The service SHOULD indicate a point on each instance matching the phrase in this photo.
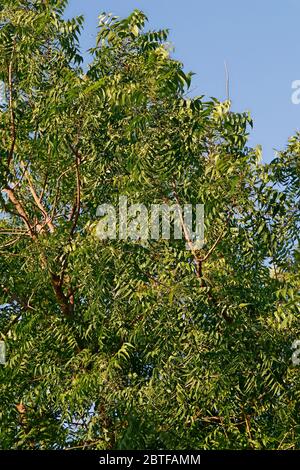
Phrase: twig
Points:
(213, 247)
(12, 113)
(198, 261)
(76, 209)
(58, 191)
(37, 200)
(227, 81)
(12, 242)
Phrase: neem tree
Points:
(112, 344)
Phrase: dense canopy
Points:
(116, 344)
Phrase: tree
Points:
(114, 344)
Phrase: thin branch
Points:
(10, 243)
(11, 107)
(227, 81)
(58, 190)
(83, 446)
(6, 231)
(213, 247)
(38, 203)
(25, 305)
(44, 187)
(76, 210)
(12, 113)
(20, 210)
(248, 427)
(198, 261)
(22, 177)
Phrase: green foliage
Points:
(114, 344)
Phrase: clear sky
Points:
(259, 40)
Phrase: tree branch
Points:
(11, 109)
(67, 306)
(20, 210)
(197, 260)
(76, 208)
(213, 247)
(39, 204)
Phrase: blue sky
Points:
(259, 40)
